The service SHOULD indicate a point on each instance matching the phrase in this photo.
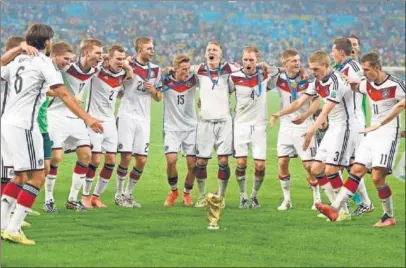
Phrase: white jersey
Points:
(214, 91)
(75, 81)
(286, 97)
(179, 104)
(382, 98)
(5, 92)
(353, 70)
(136, 102)
(103, 90)
(339, 92)
(29, 77)
(250, 92)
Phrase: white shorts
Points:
(21, 148)
(358, 137)
(290, 144)
(250, 135)
(378, 149)
(133, 135)
(67, 133)
(176, 140)
(337, 146)
(105, 142)
(217, 135)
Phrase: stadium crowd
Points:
(270, 26)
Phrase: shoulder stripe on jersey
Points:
(354, 66)
(5, 98)
(335, 82)
(398, 81)
(35, 104)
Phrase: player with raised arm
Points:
(66, 130)
(214, 127)
(180, 123)
(250, 121)
(22, 143)
(346, 65)
(292, 127)
(101, 100)
(338, 143)
(384, 91)
(134, 119)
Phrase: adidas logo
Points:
(5, 200)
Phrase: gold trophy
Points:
(213, 210)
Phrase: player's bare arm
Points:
(328, 106)
(293, 107)
(155, 93)
(312, 109)
(128, 71)
(396, 110)
(70, 101)
(14, 52)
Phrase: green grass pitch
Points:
(158, 236)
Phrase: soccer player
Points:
(378, 149)
(214, 127)
(251, 85)
(67, 130)
(101, 100)
(133, 120)
(338, 143)
(290, 139)
(180, 126)
(356, 46)
(341, 53)
(22, 143)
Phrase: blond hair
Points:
(13, 41)
(60, 48)
(139, 42)
(113, 48)
(287, 54)
(216, 43)
(88, 44)
(179, 59)
(251, 50)
(320, 57)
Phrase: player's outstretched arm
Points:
(70, 101)
(328, 106)
(293, 107)
(396, 110)
(313, 108)
(14, 52)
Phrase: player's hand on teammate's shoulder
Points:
(199, 103)
(128, 71)
(167, 70)
(29, 50)
(304, 75)
(94, 124)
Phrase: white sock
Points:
(341, 198)
(77, 181)
(363, 193)
(222, 187)
(49, 187)
(120, 184)
(87, 186)
(316, 193)
(101, 186)
(242, 184)
(19, 215)
(285, 185)
(130, 187)
(328, 190)
(7, 203)
(387, 206)
(201, 185)
(256, 185)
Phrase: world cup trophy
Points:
(214, 202)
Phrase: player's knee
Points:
(171, 160)
(56, 158)
(223, 172)
(201, 171)
(20, 177)
(260, 172)
(357, 170)
(141, 161)
(223, 160)
(378, 176)
(191, 167)
(240, 172)
(95, 162)
(84, 155)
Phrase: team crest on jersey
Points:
(11, 173)
(189, 83)
(41, 162)
(166, 148)
(385, 93)
(120, 146)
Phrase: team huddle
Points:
(43, 85)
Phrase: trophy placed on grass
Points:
(214, 202)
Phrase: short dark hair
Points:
(60, 48)
(13, 41)
(373, 59)
(37, 34)
(355, 37)
(343, 44)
